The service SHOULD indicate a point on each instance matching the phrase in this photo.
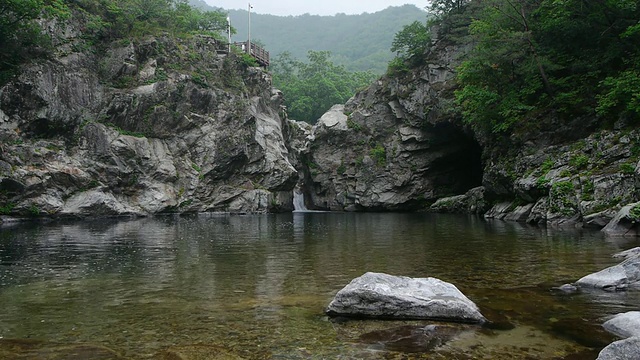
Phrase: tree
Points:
(445, 7)
(311, 88)
(571, 57)
(20, 36)
(412, 41)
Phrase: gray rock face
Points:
(628, 349)
(619, 277)
(393, 146)
(380, 295)
(623, 223)
(624, 325)
(130, 131)
(472, 202)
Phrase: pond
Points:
(255, 287)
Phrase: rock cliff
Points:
(141, 127)
(161, 124)
(399, 145)
(393, 146)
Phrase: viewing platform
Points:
(258, 53)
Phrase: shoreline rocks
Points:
(615, 278)
(626, 326)
(378, 295)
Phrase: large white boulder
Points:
(627, 349)
(618, 277)
(624, 325)
(380, 295)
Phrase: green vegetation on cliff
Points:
(531, 57)
(22, 39)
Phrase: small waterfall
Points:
(298, 201)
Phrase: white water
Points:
(298, 201)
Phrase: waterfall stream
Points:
(298, 201)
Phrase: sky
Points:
(313, 7)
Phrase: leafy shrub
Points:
(379, 154)
(627, 168)
(579, 161)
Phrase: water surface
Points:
(256, 286)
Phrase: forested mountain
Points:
(359, 42)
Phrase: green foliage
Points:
(562, 193)
(353, 125)
(579, 161)
(110, 20)
(447, 7)
(627, 168)
(634, 213)
(379, 154)
(311, 88)
(588, 189)
(571, 57)
(411, 42)
(397, 66)
(33, 210)
(621, 94)
(20, 36)
(104, 21)
(547, 165)
(6, 208)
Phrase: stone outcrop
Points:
(393, 146)
(627, 349)
(624, 325)
(378, 295)
(138, 129)
(401, 145)
(619, 277)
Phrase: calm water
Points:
(218, 287)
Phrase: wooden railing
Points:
(260, 54)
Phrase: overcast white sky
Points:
(314, 7)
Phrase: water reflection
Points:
(257, 285)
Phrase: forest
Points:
(543, 58)
(530, 58)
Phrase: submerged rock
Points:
(634, 252)
(566, 289)
(628, 349)
(614, 278)
(378, 295)
(35, 349)
(411, 338)
(624, 325)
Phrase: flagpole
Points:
(249, 32)
(229, 34)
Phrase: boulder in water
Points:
(624, 325)
(627, 349)
(614, 278)
(377, 295)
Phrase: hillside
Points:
(359, 42)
